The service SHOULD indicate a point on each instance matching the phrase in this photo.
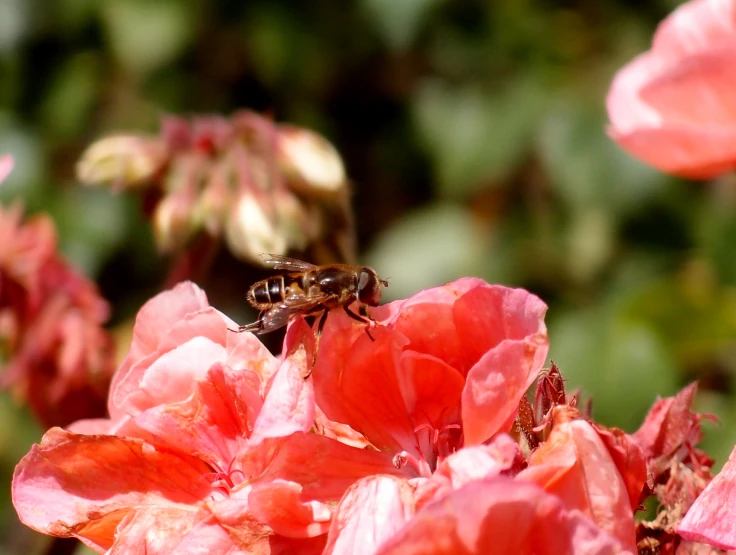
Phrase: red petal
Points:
(161, 531)
(496, 384)
(279, 504)
(629, 460)
(696, 26)
(499, 516)
(214, 423)
(370, 513)
(575, 465)
(324, 467)
(357, 384)
(289, 404)
(711, 518)
(6, 166)
(76, 485)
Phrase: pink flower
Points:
(673, 106)
(207, 447)
(711, 518)
(447, 368)
(437, 388)
(59, 358)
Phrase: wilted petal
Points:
(370, 513)
(162, 531)
(711, 518)
(499, 516)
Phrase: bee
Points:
(308, 290)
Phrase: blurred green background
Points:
(474, 133)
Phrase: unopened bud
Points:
(173, 222)
(309, 162)
(250, 232)
(121, 161)
(215, 201)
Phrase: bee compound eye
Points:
(369, 288)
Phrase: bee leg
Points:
(254, 327)
(364, 318)
(317, 337)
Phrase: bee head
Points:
(369, 286)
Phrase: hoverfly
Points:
(307, 290)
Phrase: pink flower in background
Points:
(57, 357)
(207, 447)
(673, 107)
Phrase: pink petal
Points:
(357, 384)
(711, 518)
(696, 26)
(370, 513)
(496, 384)
(165, 530)
(278, 504)
(469, 464)
(499, 516)
(6, 166)
(325, 468)
(76, 485)
(214, 423)
(575, 465)
(488, 315)
(289, 404)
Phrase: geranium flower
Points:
(56, 357)
(437, 388)
(206, 448)
(673, 106)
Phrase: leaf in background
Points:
(585, 167)
(146, 36)
(14, 23)
(475, 137)
(427, 247)
(399, 22)
(620, 363)
(92, 224)
(71, 96)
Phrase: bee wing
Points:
(279, 315)
(278, 262)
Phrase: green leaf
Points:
(146, 35)
(426, 248)
(399, 22)
(475, 137)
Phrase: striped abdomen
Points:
(268, 292)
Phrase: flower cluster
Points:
(417, 439)
(55, 355)
(263, 187)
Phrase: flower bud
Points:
(122, 161)
(309, 162)
(250, 232)
(173, 221)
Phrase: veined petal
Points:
(499, 515)
(279, 504)
(77, 485)
(370, 513)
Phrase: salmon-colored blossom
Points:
(207, 446)
(437, 386)
(673, 106)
